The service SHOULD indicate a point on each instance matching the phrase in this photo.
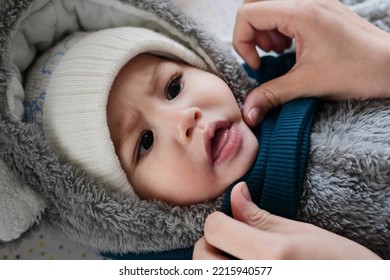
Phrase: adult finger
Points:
(246, 211)
(237, 238)
(204, 251)
(275, 93)
(280, 42)
(259, 16)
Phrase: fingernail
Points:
(245, 193)
(254, 115)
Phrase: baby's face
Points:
(178, 131)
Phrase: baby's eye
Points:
(174, 87)
(145, 143)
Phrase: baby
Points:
(182, 125)
(161, 112)
(148, 117)
(182, 138)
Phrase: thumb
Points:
(273, 94)
(245, 210)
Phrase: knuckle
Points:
(271, 98)
(244, 10)
(241, 11)
(238, 15)
(261, 219)
(236, 44)
(283, 251)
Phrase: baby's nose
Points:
(186, 121)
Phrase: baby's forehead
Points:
(143, 64)
(144, 69)
(146, 59)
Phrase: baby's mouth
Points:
(218, 142)
(223, 139)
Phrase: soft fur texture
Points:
(347, 189)
(20, 208)
(347, 186)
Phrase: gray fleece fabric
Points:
(347, 187)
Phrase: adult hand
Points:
(339, 55)
(257, 234)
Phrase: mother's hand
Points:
(257, 234)
(339, 55)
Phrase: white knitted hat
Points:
(74, 110)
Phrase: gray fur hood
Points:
(35, 186)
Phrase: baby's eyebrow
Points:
(127, 136)
(155, 76)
